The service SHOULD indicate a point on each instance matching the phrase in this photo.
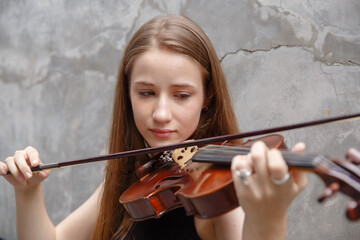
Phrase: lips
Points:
(161, 133)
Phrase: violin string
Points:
(293, 159)
(212, 152)
(336, 167)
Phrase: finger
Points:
(14, 170)
(3, 168)
(300, 179)
(259, 160)
(241, 163)
(276, 165)
(44, 174)
(20, 159)
(33, 156)
(299, 147)
(40, 176)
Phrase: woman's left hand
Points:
(265, 187)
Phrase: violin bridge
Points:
(182, 155)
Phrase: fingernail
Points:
(28, 175)
(34, 162)
(3, 172)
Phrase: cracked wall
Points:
(285, 61)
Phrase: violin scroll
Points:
(343, 176)
(353, 208)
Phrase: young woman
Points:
(170, 88)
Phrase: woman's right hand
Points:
(19, 166)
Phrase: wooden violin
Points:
(203, 185)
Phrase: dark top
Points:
(173, 225)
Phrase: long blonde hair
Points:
(183, 36)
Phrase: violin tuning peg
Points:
(353, 155)
(353, 211)
(329, 191)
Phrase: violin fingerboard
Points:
(222, 154)
(218, 154)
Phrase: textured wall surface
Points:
(286, 62)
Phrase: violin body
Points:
(205, 190)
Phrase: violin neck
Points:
(223, 155)
(303, 160)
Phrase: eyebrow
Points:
(143, 83)
(173, 85)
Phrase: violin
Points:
(202, 182)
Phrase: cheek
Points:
(138, 112)
(190, 119)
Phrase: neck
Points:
(223, 155)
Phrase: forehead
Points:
(159, 65)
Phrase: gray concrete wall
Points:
(286, 62)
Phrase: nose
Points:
(162, 111)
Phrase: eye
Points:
(146, 93)
(182, 95)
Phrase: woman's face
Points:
(167, 95)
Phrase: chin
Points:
(160, 143)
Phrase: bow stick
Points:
(203, 141)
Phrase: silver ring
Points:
(243, 174)
(281, 181)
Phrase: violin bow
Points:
(198, 142)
